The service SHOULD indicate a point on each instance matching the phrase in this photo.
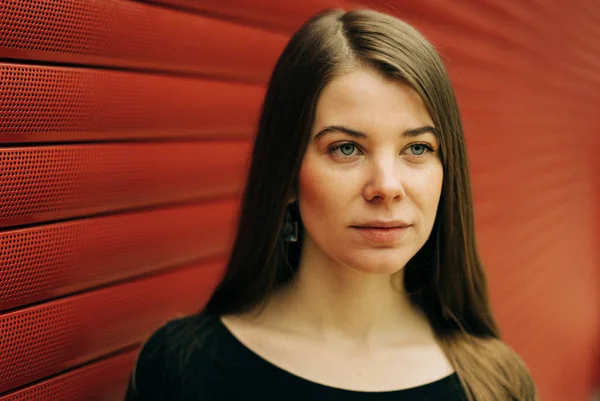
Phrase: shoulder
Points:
(163, 358)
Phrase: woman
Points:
(354, 274)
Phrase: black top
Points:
(197, 358)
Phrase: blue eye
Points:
(418, 149)
(344, 150)
(347, 148)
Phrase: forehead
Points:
(364, 98)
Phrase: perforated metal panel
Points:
(75, 104)
(123, 33)
(267, 14)
(53, 182)
(46, 339)
(83, 383)
(52, 260)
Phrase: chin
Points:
(379, 263)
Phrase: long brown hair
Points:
(445, 279)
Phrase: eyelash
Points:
(428, 147)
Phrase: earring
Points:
(289, 231)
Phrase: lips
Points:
(382, 224)
(380, 227)
(382, 235)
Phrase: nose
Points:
(385, 183)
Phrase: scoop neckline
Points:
(408, 391)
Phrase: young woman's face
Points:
(372, 162)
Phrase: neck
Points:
(334, 302)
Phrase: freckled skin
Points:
(385, 176)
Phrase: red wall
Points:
(124, 135)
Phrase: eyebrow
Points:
(411, 132)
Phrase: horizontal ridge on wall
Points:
(130, 34)
(56, 182)
(82, 383)
(44, 340)
(52, 260)
(44, 104)
(286, 16)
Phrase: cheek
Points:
(323, 192)
(429, 189)
(312, 184)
